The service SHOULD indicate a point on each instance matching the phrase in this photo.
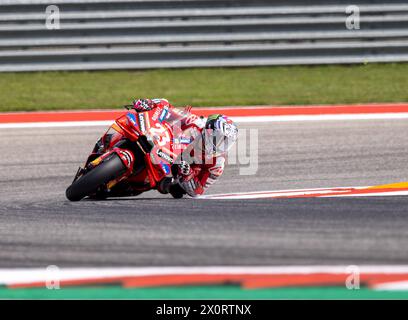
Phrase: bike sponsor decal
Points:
(142, 122)
(164, 156)
(164, 114)
(132, 118)
(182, 140)
(185, 140)
(165, 167)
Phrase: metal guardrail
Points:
(127, 34)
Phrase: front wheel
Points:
(110, 169)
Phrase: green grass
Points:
(202, 292)
(206, 87)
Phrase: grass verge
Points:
(204, 292)
(206, 86)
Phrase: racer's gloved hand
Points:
(184, 170)
(142, 105)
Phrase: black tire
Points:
(89, 183)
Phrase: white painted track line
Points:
(249, 119)
(24, 276)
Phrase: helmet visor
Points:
(216, 142)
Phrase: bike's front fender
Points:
(124, 155)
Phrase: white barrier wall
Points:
(125, 34)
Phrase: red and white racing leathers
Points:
(199, 176)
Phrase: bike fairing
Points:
(167, 141)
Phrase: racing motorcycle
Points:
(135, 155)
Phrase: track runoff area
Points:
(209, 282)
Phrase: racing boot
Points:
(177, 191)
(170, 185)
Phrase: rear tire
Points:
(110, 169)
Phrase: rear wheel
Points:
(110, 169)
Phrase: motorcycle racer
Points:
(203, 159)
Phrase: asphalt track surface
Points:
(39, 227)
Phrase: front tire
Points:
(110, 169)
